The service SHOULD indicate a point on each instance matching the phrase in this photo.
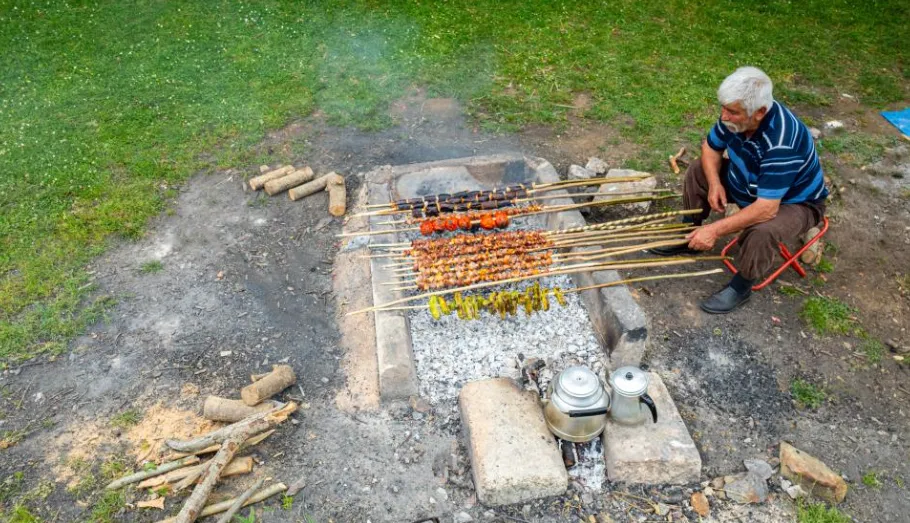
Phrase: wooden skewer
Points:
(581, 268)
(591, 287)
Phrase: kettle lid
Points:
(630, 381)
(578, 386)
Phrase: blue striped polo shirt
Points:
(778, 162)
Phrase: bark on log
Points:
(256, 377)
(164, 468)
(197, 499)
(298, 177)
(217, 508)
(259, 423)
(255, 440)
(257, 182)
(223, 409)
(238, 503)
(243, 465)
(337, 195)
(312, 187)
(281, 377)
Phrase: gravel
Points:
(450, 352)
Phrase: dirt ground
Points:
(246, 282)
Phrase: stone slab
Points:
(661, 452)
(604, 193)
(514, 457)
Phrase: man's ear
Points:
(760, 113)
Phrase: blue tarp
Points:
(900, 119)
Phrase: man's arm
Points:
(711, 161)
(760, 211)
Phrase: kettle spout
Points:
(644, 398)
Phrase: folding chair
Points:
(790, 260)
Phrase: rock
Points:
(606, 190)
(662, 509)
(709, 491)
(462, 517)
(596, 165)
(833, 125)
(442, 494)
(811, 474)
(747, 488)
(718, 482)
(760, 468)
(700, 504)
(661, 452)
(816, 133)
(577, 172)
(502, 422)
(795, 492)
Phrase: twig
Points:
(157, 471)
(259, 423)
(238, 503)
(218, 508)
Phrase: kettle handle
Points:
(644, 398)
(589, 412)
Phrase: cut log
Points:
(223, 409)
(281, 377)
(309, 188)
(259, 422)
(298, 177)
(238, 503)
(164, 468)
(243, 465)
(337, 196)
(197, 499)
(264, 169)
(258, 182)
(218, 508)
(255, 440)
(256, 377)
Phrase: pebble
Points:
(442, 494)
(463, 517)
(662, 509)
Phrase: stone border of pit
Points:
(619, 322)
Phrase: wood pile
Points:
(253, 419)
(300, 183)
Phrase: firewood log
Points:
(298, 177)
(337, 195)
(242, 465)
(309, 188)
(223, 409)
(259, 422)
(210, 476)
(281, 377)
(257, 182)
(221, 506)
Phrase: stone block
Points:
(577, 172)
(653, 453)
(606, 190)
(596, 165)
(811, 474)
(514, 457)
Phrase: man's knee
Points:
(762, 233)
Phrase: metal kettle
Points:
(577, 404)
(630, 401)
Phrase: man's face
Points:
(735, 118)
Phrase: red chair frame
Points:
(790, 260)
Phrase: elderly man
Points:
(772, 173)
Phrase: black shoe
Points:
(725, 300)
(675, 250)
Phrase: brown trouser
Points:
(758, 244)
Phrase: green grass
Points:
(106, 107)
(828, 315)
(107, 507)
(819, 513)
(857, 148)
(126, 419)
(806, 394)
(870, 479)
(825, 266)
(873, 350)
(151, 267)
(21, 514)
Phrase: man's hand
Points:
(717, 197)
(702, 239)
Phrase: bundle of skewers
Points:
(473, 211)
(467, 262)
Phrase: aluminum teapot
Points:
(630, 401)
(577, 404)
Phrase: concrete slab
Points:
(514, 457)
(661, 452)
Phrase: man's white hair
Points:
(749, 86)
